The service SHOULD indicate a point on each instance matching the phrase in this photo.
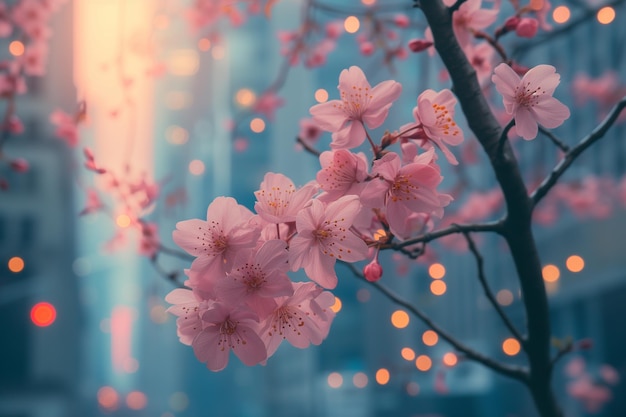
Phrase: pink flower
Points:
(527, 27)
(189, 307)
(324, 237)
(257, 277)
(149, 243)
(65, 127)
(529, 99)
(342, 173)
(267, 104)
(278, 201)
(302, 318)
(360, 106)
(403, 190)
(309, 131)
(216, 241)
(435, 113)
(227, 328)
(469, 18)
(373, 271)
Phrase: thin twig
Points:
(483, 282)
(173, 252)
(558, 142)
(505, 134)
(576, 151)
(515, 372)
(308, 147)
(562, 352)
(169, 276)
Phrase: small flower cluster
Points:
(240, 296)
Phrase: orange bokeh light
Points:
(400, 319)
(511, 346)
(504, 297)
(575, 263)
(257, 125)
(423, 363)
(335, 380)
(438, 287)
(196, 167)
(430, 338)
(606, 15)
(351, 24)
(550, 273)
(43, 314)
(108, 398)
(407, 354)
(382, 376)
(16, 48)
(204, 44)
(321, 95)
(136, 400)
(450, 359)
(561, 14)
(16, 264)
(437, 271)
(336, 307)
(123, 220)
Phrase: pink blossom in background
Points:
(228, 328)
(309, 131)
(267, 104)
(481, 58)
(527, 27)
(360, 106)
(342, 173)
(65, 127)
(542, 15)
(470, 17)
(149, 242)
(529, 99)
(278, 200)
(189, 307)
(216, 241)
(6, 27)
(324, 236)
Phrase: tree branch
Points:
(558, 142)
(576, 151)
(515, 372)
(492, 299)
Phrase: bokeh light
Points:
(550, 273)
(335, 380)
(218, 52)
(606, 15)
(430, 338)
(108, 398)
(400, 319)
(412, 388)
(257, 125)
(438, 287)
(561, 14)
(136, 400)
(336, 307)
(382, 376)
(368, 2)
(351, 24)
(245, 97)
(511, 346)
(575, 263)
(196, 167)
(16, 48)
(504, 297)
(179, 401)
(407, 354)
(176, 135)
(43, 314)
(183, 62)
(321, 95)
(360, 380)
(204, 44)
(437, 271)
(16, 264)
(423, 363)
(123, 220)
(450, 359)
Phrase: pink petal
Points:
(542, 76)
(550, 112)
(249, 347)
(525, 124)
(329, 116)
(350, 136)
(206, 348)
(506, 80)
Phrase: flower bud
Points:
(19, 165)
(367, 48)
(373, 271)
(585, 344)
(527, 27)
(511, 23)
(401, 20)
(419, 45)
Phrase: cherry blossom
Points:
(529, 99)
(469, 18)
(278, 201)
(359, 106)
(342, 173)
(324, 237)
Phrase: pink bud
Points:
(367, 48)
(585, 344)
(334, 30)
(19, 165)
(373, 271)
(419, 45)
(511, 23)
(527, 27)
(401, 20)
(15, 125)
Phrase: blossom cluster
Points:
(241, 297)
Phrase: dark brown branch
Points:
(169, 276)
(308, 147)
(514, 372)
(492, 299)
(576, 151)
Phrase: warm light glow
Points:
(400, 319)
(412, 388)
(360, 380)
(204, 44)
(368, 2)
(430, 338)
(536, 4)
(196, 167)
(161, 21)
(123, 220)
(16, 48)
(407, 354)
(321, 95)
(511, 346)
(336, 308)
(136, 400)
(257, 125)
(423, 363)
(437, 271)
(351, 24)
(550, 273)
(382, 376)
(438, 287)
(606, 15)
(575, 263)
(176, 135)
(177, 100)
(335, 380)
(183, 62)
(16, 264)
(43, 314)
(121, 337)
(561, 14)
(504, 297)
(450, 359)
(245, 97)
(379, 235)
(363, 295)
(108, 398)
(218, 52)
